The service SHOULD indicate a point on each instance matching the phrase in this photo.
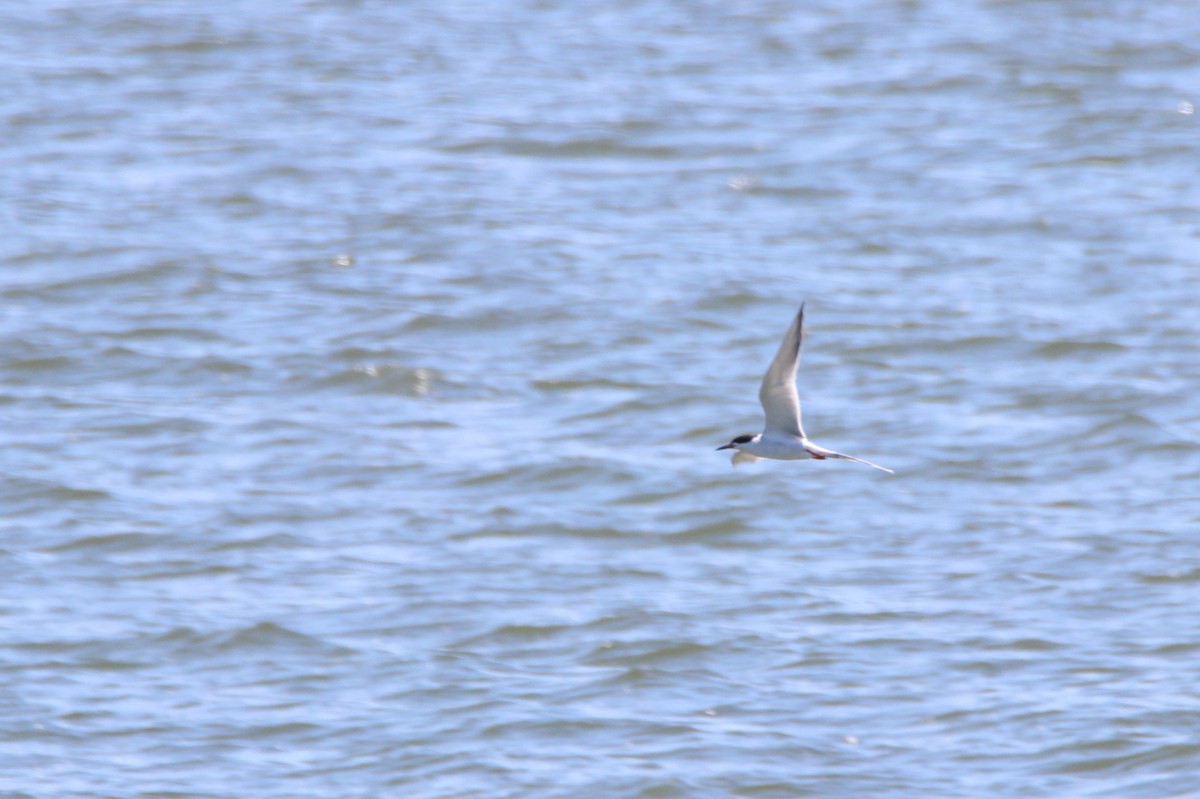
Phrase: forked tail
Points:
(840, 456)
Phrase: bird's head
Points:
(738, 441)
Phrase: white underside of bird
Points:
(783, 436)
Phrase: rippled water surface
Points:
(362, 365)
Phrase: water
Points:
(363, 363)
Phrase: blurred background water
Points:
(362, 365)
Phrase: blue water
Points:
(361, 367)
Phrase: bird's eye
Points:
(742, 439)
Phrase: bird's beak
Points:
(724, 446)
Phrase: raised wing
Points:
(778, 394)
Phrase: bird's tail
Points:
(840, 456)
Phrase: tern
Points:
(783, 437)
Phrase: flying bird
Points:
(783, 437)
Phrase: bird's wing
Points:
(743, 457)
(778, 394)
